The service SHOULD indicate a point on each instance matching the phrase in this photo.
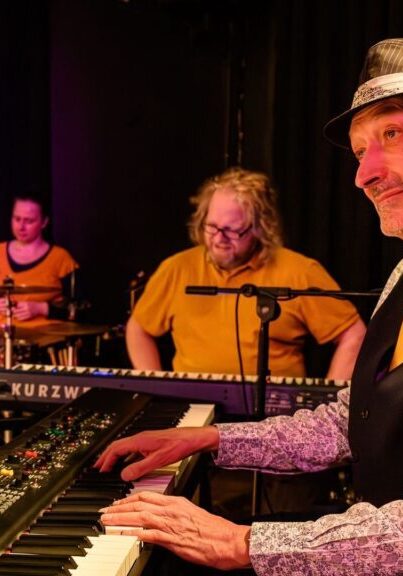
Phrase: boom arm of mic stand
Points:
(278, 292)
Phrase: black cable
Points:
(239, 352)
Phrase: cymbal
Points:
(24, 289)
(67, 329)
(22, 335)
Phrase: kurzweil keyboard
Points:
(284, 395)
(50, 494)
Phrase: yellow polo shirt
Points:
(203, 327)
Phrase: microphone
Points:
(249, 290)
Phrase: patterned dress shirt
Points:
(363, 541)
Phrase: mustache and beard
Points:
(389, 209)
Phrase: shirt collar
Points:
(390, 284)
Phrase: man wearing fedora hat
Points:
(365, 427)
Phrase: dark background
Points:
(120, 109)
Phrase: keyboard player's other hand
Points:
(179, 525)
(154, 449)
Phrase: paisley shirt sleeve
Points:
(364, 541)
(308, 441)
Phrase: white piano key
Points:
(112, 555)
(197, 415)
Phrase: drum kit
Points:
(46, 335)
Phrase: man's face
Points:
(27, 221)
(226, 213)
(376, 136)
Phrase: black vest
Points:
(376, 408)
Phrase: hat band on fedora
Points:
(377, 88)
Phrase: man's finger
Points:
(111, 455)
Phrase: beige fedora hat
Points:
(380, 78)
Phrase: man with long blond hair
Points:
(237, 232)
(253, 191)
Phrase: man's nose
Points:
(221, 235)
(372, 168)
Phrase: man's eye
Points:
(359, 154)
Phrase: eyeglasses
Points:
(228, 233)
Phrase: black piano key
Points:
(95, 474)
(50, 540)
(38, 562)
(105, 491)
(91, 482)
(51, 560)
(76, 529)
(79, 493)
(90, 500)
(36, 548)
(32, 571)
(92, 474)
(62, 506)
(70, 517)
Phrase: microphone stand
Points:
(268, 309)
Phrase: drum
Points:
(23, 352)
(31, 347)
(55, 343)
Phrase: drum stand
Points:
(72, 352)
(72, 348)
(8, 330)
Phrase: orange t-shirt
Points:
(49, 271)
